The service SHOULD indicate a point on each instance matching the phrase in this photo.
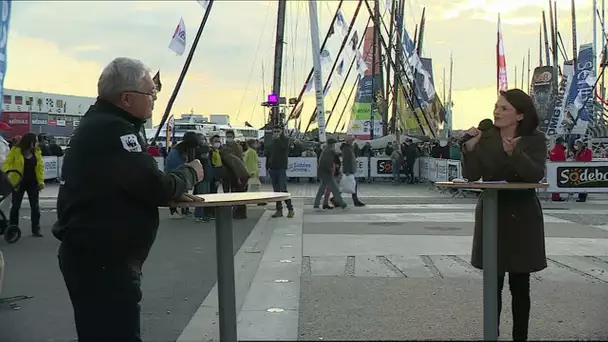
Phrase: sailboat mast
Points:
(540, 45)
(523, 67)
(595, 37)
(547, 59)
(528, 90)
(316, 59)
(450, 111)
(515, 84)
(603, 86)
(396, 127)
(574, 43)
(375, 56)
(391, 36)
(278, 62)
(553, 45)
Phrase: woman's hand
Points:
(40, 187)
(508, 144)
(475, 133)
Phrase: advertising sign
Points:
(302, 167)
(19, 122)
(577, 177)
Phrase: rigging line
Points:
(257, 95)
(402, 64)
(257, 49)
(303, 90)
(348, 100)
(350, 68)
(337, 59)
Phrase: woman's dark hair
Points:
(251, 142)
(27, 141)
(189, 141)
(524, 105)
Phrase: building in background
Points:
(220, 119)
(43, 113)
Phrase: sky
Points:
(61, 47)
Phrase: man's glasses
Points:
(151, 94)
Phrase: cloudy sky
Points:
(61, 47)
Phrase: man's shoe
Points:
(291, 214)
(278, 213)
(359, 204)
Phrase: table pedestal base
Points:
(225, 274)
(490, 265)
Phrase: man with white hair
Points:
(107, 209)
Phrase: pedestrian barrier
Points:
(563, 177)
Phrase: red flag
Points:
(501, 62)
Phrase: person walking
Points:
(513, 151)
(26, 159)
(325, 172)
(276, 162)
(349, 165)
(107, 208)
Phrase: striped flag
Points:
(501, 62)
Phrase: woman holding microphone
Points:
(512, 150)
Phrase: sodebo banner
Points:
(582, 177)
(5, 16)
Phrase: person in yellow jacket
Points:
(26, 159)
(250, 159)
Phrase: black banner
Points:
(385, 167)
(582, 177)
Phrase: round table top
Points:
(497, 186)
(236, 198)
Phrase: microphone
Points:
(484, 126)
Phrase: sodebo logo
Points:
(582, 177)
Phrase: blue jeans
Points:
(327, 180)
(279, 184)
(199, 189)
(396, 171)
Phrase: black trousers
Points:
(33, 196)
(105, 297)
(519, 284)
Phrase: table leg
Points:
(225, 274)
(490, 265)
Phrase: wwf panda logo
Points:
(130, 143)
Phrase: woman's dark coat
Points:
(521, 234)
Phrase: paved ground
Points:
(399, 269)
(177, 277)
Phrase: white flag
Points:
(340, 25)
(203, 3)
(360, 64)
(178, 42)
(326, 58)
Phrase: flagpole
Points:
(337, 59)
(316, 58)
(180, 80)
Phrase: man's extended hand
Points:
(198, 167)
(186, 198)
